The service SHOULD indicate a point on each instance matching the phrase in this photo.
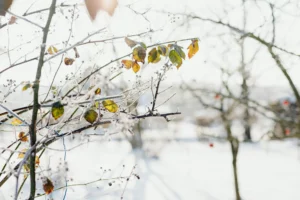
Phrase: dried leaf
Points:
(130, 43)
(127, 63)
(12, 20)
(28, 85)
(193, 48)
(22, 153)
(26, 168)
(136, 67)
(47, 185)
(153, 56)
(16, 122)
(57, 110)
(93, 6)
(22, 137)
(139, 54)
(52, 50)
(110, 105)
(98, 91)
(69, 61)
(76, 52)
(175, 58)
(37, 161)
(90, 116)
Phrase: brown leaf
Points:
(93, 6)
(69, 61)
(130, 43)
(22, 137)
(12, 20)
(47, 185)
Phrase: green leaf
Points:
(175, 58)
(143, 45)
(57, 110)
(90, 116)
(153, 56)
(110, 105)
(179, 50)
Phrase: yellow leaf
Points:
(175, 58)
(57, 110)
(68, 61)
(52, 50)
(47, 185)
(127, 63)
(153, 56)
(22, 137)
(28, 85)
(139, 54)
(98, 91)
(90, 116)
(110, 105)
(136, 67)
(22, 153)
(26, 169)
(193, 48)
(16, 122)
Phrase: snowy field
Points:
(180, 170)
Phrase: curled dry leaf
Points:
(98, 91)
(193, 48)
(93, 6)
(69, 61)
(139, 54)
(76, 52)
(110, 106)
(57, 110)
(16, 122)
(22, 137)
(37, 161)
(90, 116)
(52, 50)
(47, 185)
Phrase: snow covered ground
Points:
(182, 170)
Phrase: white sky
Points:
(215, 47)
